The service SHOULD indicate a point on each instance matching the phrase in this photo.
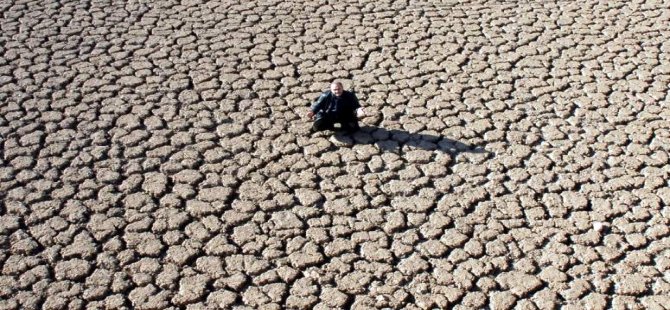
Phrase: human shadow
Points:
(393, 140)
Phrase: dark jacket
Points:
(342, 108)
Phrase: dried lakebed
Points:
(514, 154)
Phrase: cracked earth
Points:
(155, 155)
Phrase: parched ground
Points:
(155, 155)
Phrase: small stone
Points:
(214, 194)
(434, 248)
(308, 256)
(221, 299)
(574, 200)
(82, 245)
(201, 209)
(254, 297)
(155, 183)
(219, 245)
(413, 265)
(180, 254)
(544, 299)
(308, 197)
(297, 302)
(191, 289)
(595, 301)
(245, 233)
(552, 274)
(129, 81)
(475, 300)
(453, 239)
(333, 297)
(654, 302)
(348, 181)
(146, 298)
(210, 265)
(74, 269)
(188, 96)
(55, 302)
(474, 248)
(373, 252)
(151, 246)
(187, 176)
(9, 223)
(115, 301)
(354, 283)
(395, 221)
(502, 300)
(631, 285)
(276, 291)
(286, 220)
(520, 284)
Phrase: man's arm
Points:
(353, 103)
(317, 105)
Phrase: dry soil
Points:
(155, 155)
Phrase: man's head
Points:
(337, 89)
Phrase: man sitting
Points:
(335, 106)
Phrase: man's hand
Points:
(310, 114)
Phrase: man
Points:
(335, 106)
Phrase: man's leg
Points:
(322, 123)
(350, 125)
